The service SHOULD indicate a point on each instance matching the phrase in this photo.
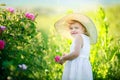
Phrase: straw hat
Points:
(61, 25)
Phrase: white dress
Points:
(80, 67)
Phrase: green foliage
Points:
(105, 53)
(23, 45)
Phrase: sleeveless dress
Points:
(80, 67)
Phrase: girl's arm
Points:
(75, 53)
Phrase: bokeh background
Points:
(36, 46)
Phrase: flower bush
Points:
(21, 46)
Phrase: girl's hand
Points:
(62, 60)
(64, 54)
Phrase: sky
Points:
(60, 4)
(48, 3)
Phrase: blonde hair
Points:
(70, 22)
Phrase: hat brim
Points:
(61, 25)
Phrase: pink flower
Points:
(30, 16)
(57, 58)
(2, 44)
(2, 28)
(10, 10)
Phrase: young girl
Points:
(84, 33)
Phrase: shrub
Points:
(21, 57)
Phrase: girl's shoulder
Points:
(84, 36)
(78, 37)
(86, 39)
(82, 39)
(78, 40)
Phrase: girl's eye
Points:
(70, 28)
(76, 27)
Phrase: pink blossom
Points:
(57, 58)
(30, 16)
(10, 9)
(2, 28)
(2, 44)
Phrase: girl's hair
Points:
(70, 22)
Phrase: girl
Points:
(84, 33)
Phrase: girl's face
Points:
(76, 28)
